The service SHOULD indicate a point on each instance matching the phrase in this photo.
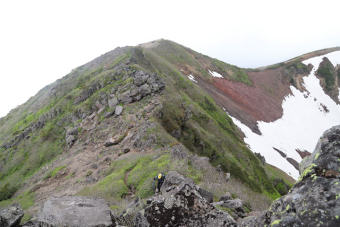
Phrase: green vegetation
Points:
(234, 72)
(48, 140)
(194, 119)
(326, 71)
(136, 171)
(54, 172)
(180, 56)
(25, 199)
(135, 174)
(187, 116)
(6, 191)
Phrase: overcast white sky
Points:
(41, 41)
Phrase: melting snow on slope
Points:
(215, 74)
(301, 125)
(192, 78)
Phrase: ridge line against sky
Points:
(41, 41)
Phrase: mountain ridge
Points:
(95, 131)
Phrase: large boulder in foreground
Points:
(75, 211)
(181, 204)
(315, 199)
(11, 216)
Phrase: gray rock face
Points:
(144, 84)
(207, 195)
(87, 93)
(118, 110)
(113, 102)
(140, 78)
(75, 211)
(233, 204)
(145, 90)
(71, 136)
(315, 199)
(226, 197)
(181, 204)
(125, 97)
(11, 216)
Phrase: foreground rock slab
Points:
(11, 216)
(75, 211)
(315, 199)
(181, 204)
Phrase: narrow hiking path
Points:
(131, 189)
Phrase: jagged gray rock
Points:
(206, 194)
(11, 216)
(75, 211)
(181, 204)
(315, 199)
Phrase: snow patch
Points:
(301, 125)
(192, 78)
(215, 74)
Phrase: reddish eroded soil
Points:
(260, 102)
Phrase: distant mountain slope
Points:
(306, 114)
(278, 93)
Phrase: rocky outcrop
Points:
(11, 216)
(71, 136)
(181, 204)
(74, 211)
(315, 199)
(87, 92)
(234, 205)
(25, 133)
(143, 84)
(327, 73)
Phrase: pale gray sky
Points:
(41, 41)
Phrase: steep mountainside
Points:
(274, 106)
(308, 110)
(107, 128)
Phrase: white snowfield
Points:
(303, 122)
(192, 78)
(215, 74)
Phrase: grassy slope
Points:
(203, 127)
(19, 163)
(209, 132)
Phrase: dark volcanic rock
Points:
(293, 162)
(11, 216)
(207, 195)
(303, 153)
(181, 204)
(283, 155)
(315, 199)
(226, 197)
(75, 211)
